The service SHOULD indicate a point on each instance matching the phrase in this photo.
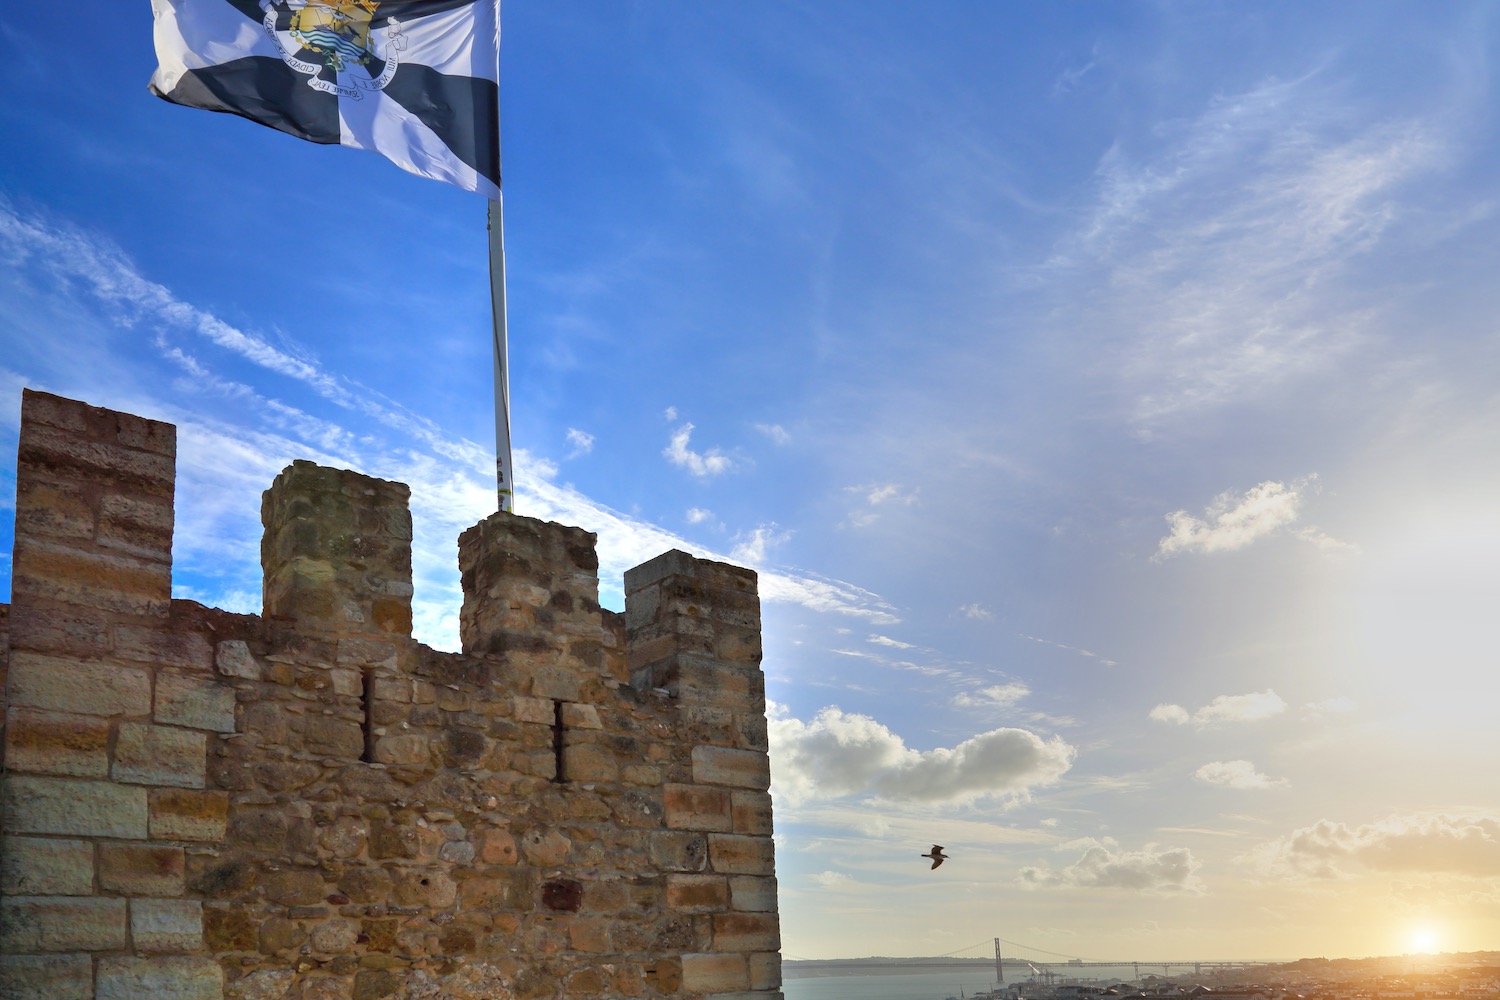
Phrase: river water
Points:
(924, 985)
(916, 986)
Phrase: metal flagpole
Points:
(504, 482)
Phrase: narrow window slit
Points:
(367, 704)
(557, 741)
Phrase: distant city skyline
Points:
(1105, 394)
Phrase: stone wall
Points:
(309, 804)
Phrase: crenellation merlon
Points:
(336, 552)
(94, 494)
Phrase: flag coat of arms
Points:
(414, 80)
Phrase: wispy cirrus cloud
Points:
(1227, 297)
(775, 432)
(1087, 654)
(885, 640)
(223, 466)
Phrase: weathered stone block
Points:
(233, 659)
(367, 653)
(335, 737)
(116, 583)
(556, 684)
(266, 984)
(159, 755)
(703, 680)
(61, 923)
(231, 928)
(590, 935)
(166, 925)
(74, 808)
(294, 887)
(195, 702)
(46, 977)
(184, 650)
(374, 984)
(160, 979)
(142, 869)
(765, 970)
(411, 749)
(79, 633)
(714, 973)
(697, 893)
(736, 768)
(56, 743)
(495, 847)
(65, 685)
(334, 937)
(419, 887)
(752, 892)
(32, 866)
(135, 526)
(189, 815)
(540, 711)
(576, 716)
(53, 510)
(679, 852)
(397, 689)
(697, 807)
(746, 932)
(752, 813)
(590, 763)
(732, 854)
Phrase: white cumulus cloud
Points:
(840, 754)
(582, 442)
(1252, 707)
(833, 880)
(752, 547)
(995, 696)
(1239, 774)
(1431, 844)
(875, 496)
(1103, 866)
(701, 464)
(1232, 521)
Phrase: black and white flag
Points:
(414, 80)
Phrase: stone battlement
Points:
(308, 804)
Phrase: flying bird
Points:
(937, 855)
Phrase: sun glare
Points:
(1424, 941)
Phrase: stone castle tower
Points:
(310, 805)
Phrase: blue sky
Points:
(1106, 394)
